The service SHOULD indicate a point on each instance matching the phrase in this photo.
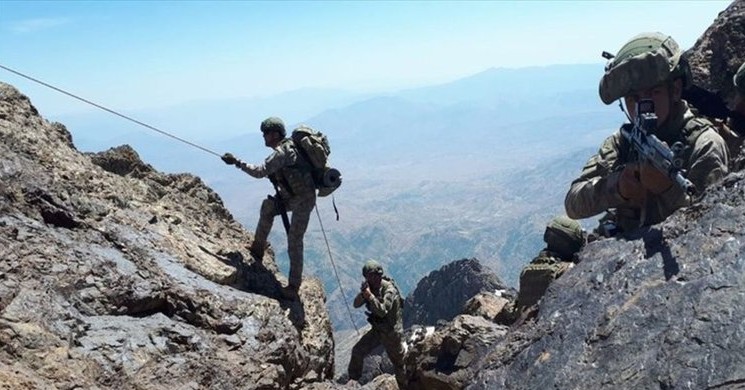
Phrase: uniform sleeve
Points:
(709, 160)
(596, 190)
(381, 307)
(281, 157)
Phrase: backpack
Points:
(314, 148)
(537, 276)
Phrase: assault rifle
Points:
(652, 150)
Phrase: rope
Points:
(191, 144)
(110, 110)
(343, 295)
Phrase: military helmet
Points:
(739, 80)
(273, 124)
(564, 236)
(648, 59)
(372, 266)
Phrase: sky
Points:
(145, 54)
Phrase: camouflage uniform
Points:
(646, 61)
(564, 237)
(739, 80)
(296, 192)
(537, 276)
(596, 190)
(384, 313)
(737, 121)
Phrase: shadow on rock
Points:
(256, 278)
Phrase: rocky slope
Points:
(664, 308)
(114, 276)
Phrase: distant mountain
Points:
(506, 86)
(469, 168)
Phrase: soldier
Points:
(295, 192)
(564, 237)
(737, 119)
(384, 306)
(634, 193)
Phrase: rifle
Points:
(280, 204)
(652, 150)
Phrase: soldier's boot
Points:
(290, 292)
(258, 250)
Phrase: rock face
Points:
(115, 276)
(715, 58)
(446, 360)
(663, 309)
(442, 294)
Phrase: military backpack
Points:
(537, 276)
(314, 148)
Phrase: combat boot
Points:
(290, 293)
(257, 251)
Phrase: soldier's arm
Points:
(381, 307)
(359, 300)
(596, 190)
(281, 157)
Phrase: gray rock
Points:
(442, 295)
(96, 293)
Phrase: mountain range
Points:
(470, 168)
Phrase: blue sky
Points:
(144, 54)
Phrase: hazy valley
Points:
(471, 168)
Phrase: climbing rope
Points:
(110, 110)
(338, 280)
(188, 143)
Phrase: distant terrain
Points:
(471, 168)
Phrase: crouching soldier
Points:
(564, 238)
(384, 306)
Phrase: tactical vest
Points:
(394, 319)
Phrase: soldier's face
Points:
(663, 96)
(373, 280)
(271, 139)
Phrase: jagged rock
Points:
(442, 296)
(715, 58)
(122, 161)
(662, 309)
(445, 359)
(486, 305)
(116, 276)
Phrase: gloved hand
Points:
(229, 159)
(654, 180)
(366, 293)
(638, 178)
(629, 185)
